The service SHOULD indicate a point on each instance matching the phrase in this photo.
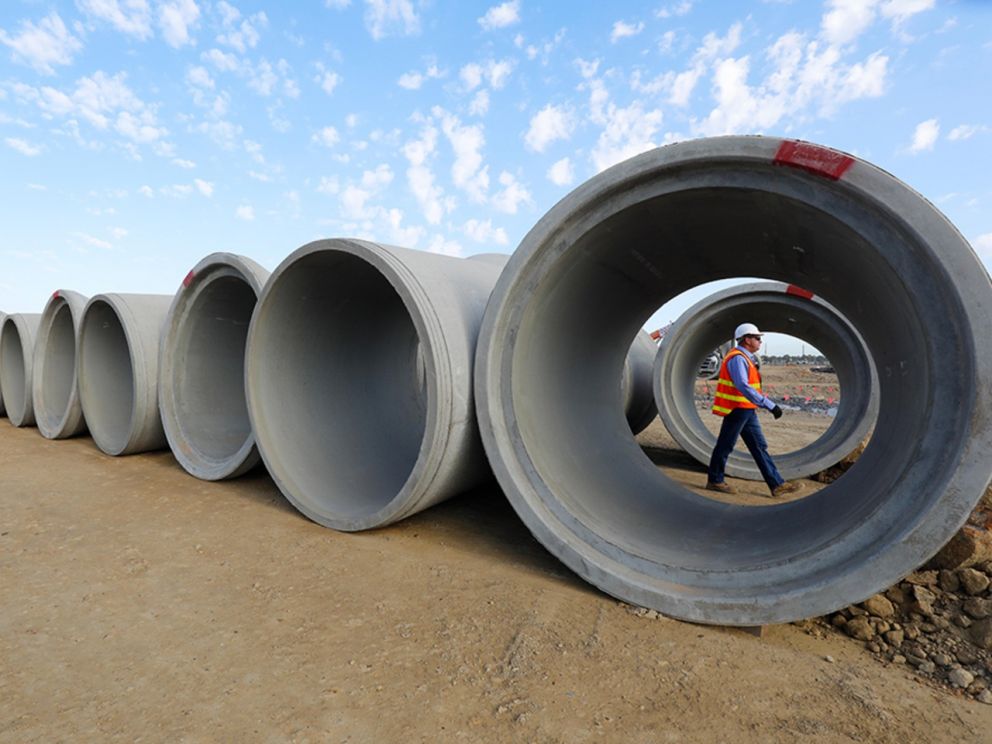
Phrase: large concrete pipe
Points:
(56, 392)
(17, 337)
(358, 374)
(202, 367)
(118, 371)
(640, 233)
(637, 390)
(779, 308)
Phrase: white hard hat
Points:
(747, 329)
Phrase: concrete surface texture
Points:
(614, 250)
(17, 337)
(202, 367)
(118, 371)
(774, 308)
(55, 387)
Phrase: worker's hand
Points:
(777, 412)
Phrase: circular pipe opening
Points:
(13, 375)
(55, 388)
(773, 308)
(338, 388)
(639, 234)
(106, 376)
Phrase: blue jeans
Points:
(743, 423)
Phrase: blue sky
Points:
(137, 136)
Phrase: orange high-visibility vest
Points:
(728, 397)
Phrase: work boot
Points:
(721, 487)
(783, 489)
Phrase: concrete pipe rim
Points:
(17, 367)
(56, 390)
(113, 437)
(332, 507)
(190, 441)
(775, 306)
(711, 562)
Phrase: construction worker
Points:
(738, 396)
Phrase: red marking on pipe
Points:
(55, 295)
(821, 161)
(792, 289)
(189, 278)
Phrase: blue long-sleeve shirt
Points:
(737, 368)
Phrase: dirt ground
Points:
(140, 604)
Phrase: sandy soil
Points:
(140, 604)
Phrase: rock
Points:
(922, 578)
(984, 697)
(928, 628)
(941, 660)
(960, 677)
(854, 611)
(873, 647)
(829, 659)
(948, 580)
(971, 545)
(858, 627)
(981, 634)
(978, 608)
(924, 599)
(927, 667)
(966, 655)
(941, 623)
(962, 620)
(912, 632)
(894, 637)
(974, 582)
(898, 659)
(838, 621)
(896, 595)
(879, 606)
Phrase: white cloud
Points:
(337, 4)
(678, 9)
(846, 20)
(414, 79)
(420, 177)
(37, 187)
(175, 18)
(118, 232)
(328, 137)
(480, 103)
(499, 72)
(386, 17)
(622, 29)
(23, 146)
(204, 187)
(471, 76)
(467, 141)
(223, 61)
(501, 16)
(263, 79)
(511, 196)
(245, 212)
(899, 11)
(983, 245)
(224, 133)
(131, 17)
(484, 232)
(44, 45)
(548, 125)
(199, 77)
(92, 241)
(244, 36)
(561, 173)
(147, 191)
(626, 132)
(185, 164)
(106, 102)
(925, 135)
(328, 80)
(965, 131)
(495, 73)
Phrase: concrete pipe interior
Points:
(337, 387)
(105, 365)
(13, 378)
(615, 250)
(207, 368)
(772, 310)
(58, 368)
